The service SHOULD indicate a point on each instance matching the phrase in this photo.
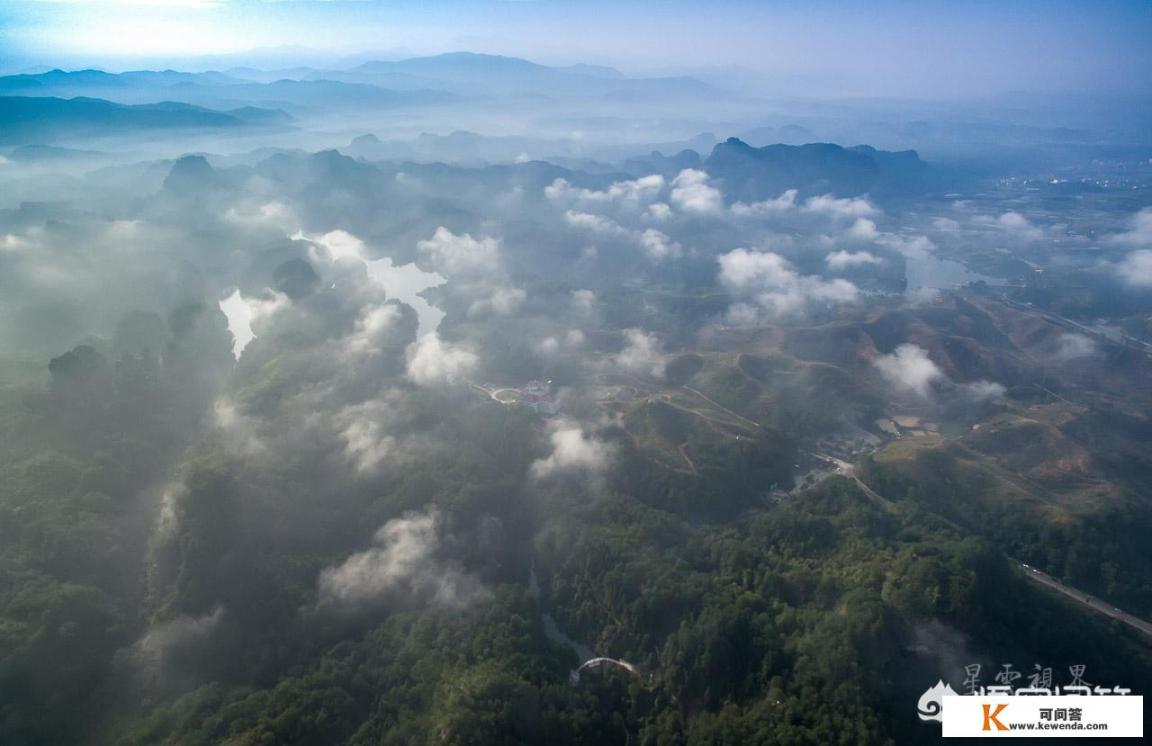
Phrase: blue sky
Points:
(919, 49)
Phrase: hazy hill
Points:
(758, 173)
(221, 91)
(47, 153)
(79, 82)
(751, 173)
(321, 94)
(28, 119)
(494, 74)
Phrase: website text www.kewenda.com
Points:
(1057, 726)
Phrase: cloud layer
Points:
(404, 563)
(908, 367)
(573, 451)
(434, 362)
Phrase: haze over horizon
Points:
(933, 50)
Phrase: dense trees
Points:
(1086, 548)
(82, 449)
(795, 624)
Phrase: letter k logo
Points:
(990, 718)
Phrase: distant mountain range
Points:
(419, 81)
(49, 108)
(43, 119)
(88, 79)
(216, 90)
(50, 153)
(494, 74)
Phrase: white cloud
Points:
(339, 244)
(634, 191)
(240, 431)
(573, 450)
(784, 203)
(403, 562)
(743, 314)
(1071, 346)
(863, 229)
(583, 301)
(909, 367)
(366, 447)
(795, 298)
(641, 354)
(839, 208)
(595, 223)
(12, 242)
(171, 509)
(1136, 268)
(502, 302)
(183, 630)
(1018, 225)
(433, 362)
(659, 211)
(846, 259)
(225, 414)
(366, 430)
(1139, 233)
(691, 192)
(743, 269)
(573, 340)
(912, 247)
(775, 286)
(454, 254)
(374, 323)
(982, 390)
(657, 245)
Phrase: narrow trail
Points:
(702, 415)
(691, 464)
(722, 408)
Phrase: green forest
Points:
(796, 623)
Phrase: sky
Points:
(927, 49)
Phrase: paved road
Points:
(1043, 578)
(1125, 340)
(1083, 598)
